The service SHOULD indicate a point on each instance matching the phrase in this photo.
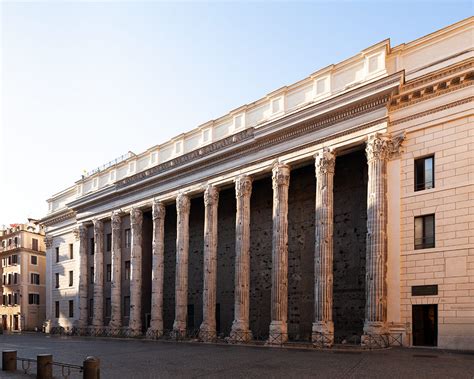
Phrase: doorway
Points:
(425, 325)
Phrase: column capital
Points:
(325, 161)
(211, 195)
(243, 186)
(48, 241)
(280, 174)
(80, 232)
(383, 146)
(158, 210)
(116, 220)
(136, 216)
(183, 203)
(98, 225)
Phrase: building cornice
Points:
(58, 217)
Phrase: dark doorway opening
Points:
(425, 325)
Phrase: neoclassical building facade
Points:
(338, 209)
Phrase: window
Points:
(34, 260)
(108, 242)
(15, 298)
(127, 238)
(424, 173)
(35, 279)
(108, 307)
(4, 279)
(92, 276)
(4, 300)
(9, 278)
(57, 254)
(16, 241)
(91, 246)
(91, 308)
(71, 251)
(109, 273)
(126, 306)
(33, 298)
(15, 278)
(425, 232)
(127, 270)
(56, 306)
(57, 280)
(9, 299)
(71, 278)
(15, 259)
(34, 244)
(9, 260)
(71, 308)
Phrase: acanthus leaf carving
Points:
(243, 186)
(325, 162)
(211, 195)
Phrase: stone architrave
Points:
(279, 298)
(380, 148)
(323, 326)
(98, 317)
(157, 275)
(240, 327)
(183, 207)
(207, 330)
(135, 321)
(80, 234)
(116, 285)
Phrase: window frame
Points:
(422, 186)
(424, 244)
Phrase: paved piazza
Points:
(151, 359)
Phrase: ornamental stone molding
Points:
(243, 186)
(325, 162)
(158, 210)
(48, 241)
(383, 146)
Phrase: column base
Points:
(179, 330)
(375, 335)
(240, 332)
(207, 333)
(154, 333)
(115, 324)
(323, 334)
(278, 333)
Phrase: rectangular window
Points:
(15, 259)
(71, 278)
(9, 278)
(35, 279)
(33, 298)
(71, 308)
(127, 270)
(109, 273)
(56, 306)
(92, 276)
(424, 173)
(91, 308)
(15, 278)
(57, 254)
(108, 242)
(15, 298)
(71, 251)
(57, 280)
(9, 299)
(9, 260)
(127, 238)
(108, 307)
(425, 232)
(126, 306)
(34, 244)
(91, 246)
(34, 260)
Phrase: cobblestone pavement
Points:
(152, 359)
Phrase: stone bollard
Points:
(44, 366)
(9, 360)
(91, 368)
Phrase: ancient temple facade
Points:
(338, 209)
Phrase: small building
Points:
(22, 269)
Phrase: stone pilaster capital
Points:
(280, 174)
(116, 220)
(243, 186)
(158, 210)
(183, 203)
(136, 216)
(325, 161)
(80, 232)
(383, 146)
(48, 241)
(98, 226)
(211, 195)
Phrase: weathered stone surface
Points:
(83, 276)
(116, 277)
(98, 317)
(136, 221)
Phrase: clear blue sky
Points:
(84, 82)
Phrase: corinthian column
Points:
(115, 291)
(279, 313)
(135, 322)
(380, 148)
(183, 206)
(81, 234)
(323, 326)
(157, 274)
(98, 319)
(240, 327)
(208, 327)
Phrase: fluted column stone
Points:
(240, 331)
(135, 321)
(323, 325)
(279, 297)
(207, 330)
(183, 207)
(157, 274)
(380, 148)
(98, 317)
(116, 260)
(81, 233)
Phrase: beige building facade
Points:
(23, 273)
(338, 209)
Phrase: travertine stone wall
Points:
(350, 228)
